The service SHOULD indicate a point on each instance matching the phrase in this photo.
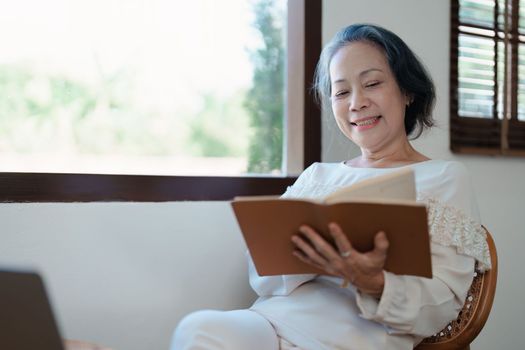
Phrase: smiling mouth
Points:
(366, 122)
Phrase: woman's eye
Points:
(372, 84)
(341, 93)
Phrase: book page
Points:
(394, 187)
(256, 198)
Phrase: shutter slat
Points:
(477, 74)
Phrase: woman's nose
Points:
(358, 101)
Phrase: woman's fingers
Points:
(319, 243)
(314, 249)
(307, 251)
(304, 258)
(343, 244)
(364, 270)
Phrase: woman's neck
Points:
(388, 158)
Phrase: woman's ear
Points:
(409, 99)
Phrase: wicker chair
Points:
(459, 333)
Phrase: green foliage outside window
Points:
(265, 100)
(45, 111)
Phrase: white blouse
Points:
(314, 312)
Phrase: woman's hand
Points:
(363, 270)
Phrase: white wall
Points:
(123, 274)
(498, 181)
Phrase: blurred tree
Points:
(220, 128)
(265, 100)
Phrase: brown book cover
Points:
(268, 224)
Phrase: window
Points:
(303, 27)
(487, 80)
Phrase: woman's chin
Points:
(368, 143)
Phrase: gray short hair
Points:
(410, 74)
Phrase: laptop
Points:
(26, 317)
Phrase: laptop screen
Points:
(26, 317)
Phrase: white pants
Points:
(227, 330)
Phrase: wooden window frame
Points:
(486, 136)
(305, 19)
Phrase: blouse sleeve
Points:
(280, 284)
(422, 306)
(275, 285)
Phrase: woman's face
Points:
(368, 105)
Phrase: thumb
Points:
(381, 243)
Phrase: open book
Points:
(383, 203)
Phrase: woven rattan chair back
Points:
(459, 333)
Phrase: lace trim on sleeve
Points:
(450, 226)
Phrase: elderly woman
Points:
(380, 94)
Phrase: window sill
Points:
(43, 187)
